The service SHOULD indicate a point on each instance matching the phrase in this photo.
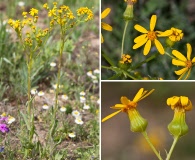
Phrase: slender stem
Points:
(29, 65)
(124, 32)
(172, 147)
(151, 145)
(59, 73)
(169, 55)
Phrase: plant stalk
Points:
(172, 148)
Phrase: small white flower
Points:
(95, 81)
(10, 119)
(21, 3)
(82, 99)
(79, 121)
(89, 73)
(52, 64)
(65, 97)
(41, 93)
(86, 106)
(55, 86)
(33, 91)
(45, 106)
(82, 93)
(96, 71)
(98, 101)
(75, 113)
(72, 135)
(63, 109)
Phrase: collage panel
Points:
(49, 80)
(147, 40)
(147, 120)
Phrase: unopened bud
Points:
(128, 14)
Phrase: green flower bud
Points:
(169, 42)
(178, 126)
(128, 14)
(138, 123)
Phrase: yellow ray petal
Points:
(193, 60)
(110, 116)
(144, 96)
(106, 26)
(153, 22)
(102, 39)
(181, 71)
(184, 100)
(140, 38)
(174, 101)
(159, 46)
(138, 95)
(118, 106)
(140, 28)
(137, 45)
(189, 51)
(165, 34)
(178, 62)
(105, 13)
(179, 55)
(124, 100)
(147, 47)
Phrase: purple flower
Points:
(3, 119)
(1, 149)
(4, 128)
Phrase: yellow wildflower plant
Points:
(138, 124)
(148, 37)
(180, 105)
(186, 62)
(105, 26)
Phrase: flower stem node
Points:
(128, 14)
(138, 123)
(180, 105)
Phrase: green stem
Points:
(172, 147)
(59, 73)
(151, 145)
(169, 55)
(123, 40)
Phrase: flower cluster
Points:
(65, 17)
(4, 120)
(33, 35)
(125, 59)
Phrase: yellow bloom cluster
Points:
(64, 16)
(125, 59)
(33, 35)
(85, 11)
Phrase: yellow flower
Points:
(148, 37)
(125, 59)
(132, 1)
(180, 105)
(138, 123)
(105, 26)
(33, 11)
(181, 60)
(127, 105)
(174, 34)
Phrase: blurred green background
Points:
(170, 13)
(119, 143)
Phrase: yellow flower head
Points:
(148, 37)
(85, 11)
(105, 26)
(181, 60)
(128, 105)
(180, 104)
(125, 59)
(33, 12)
(174, 34)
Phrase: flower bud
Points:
(138, 123)
(178, 126)
(128, 14)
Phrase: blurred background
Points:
(118, 142)
(171, 13)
